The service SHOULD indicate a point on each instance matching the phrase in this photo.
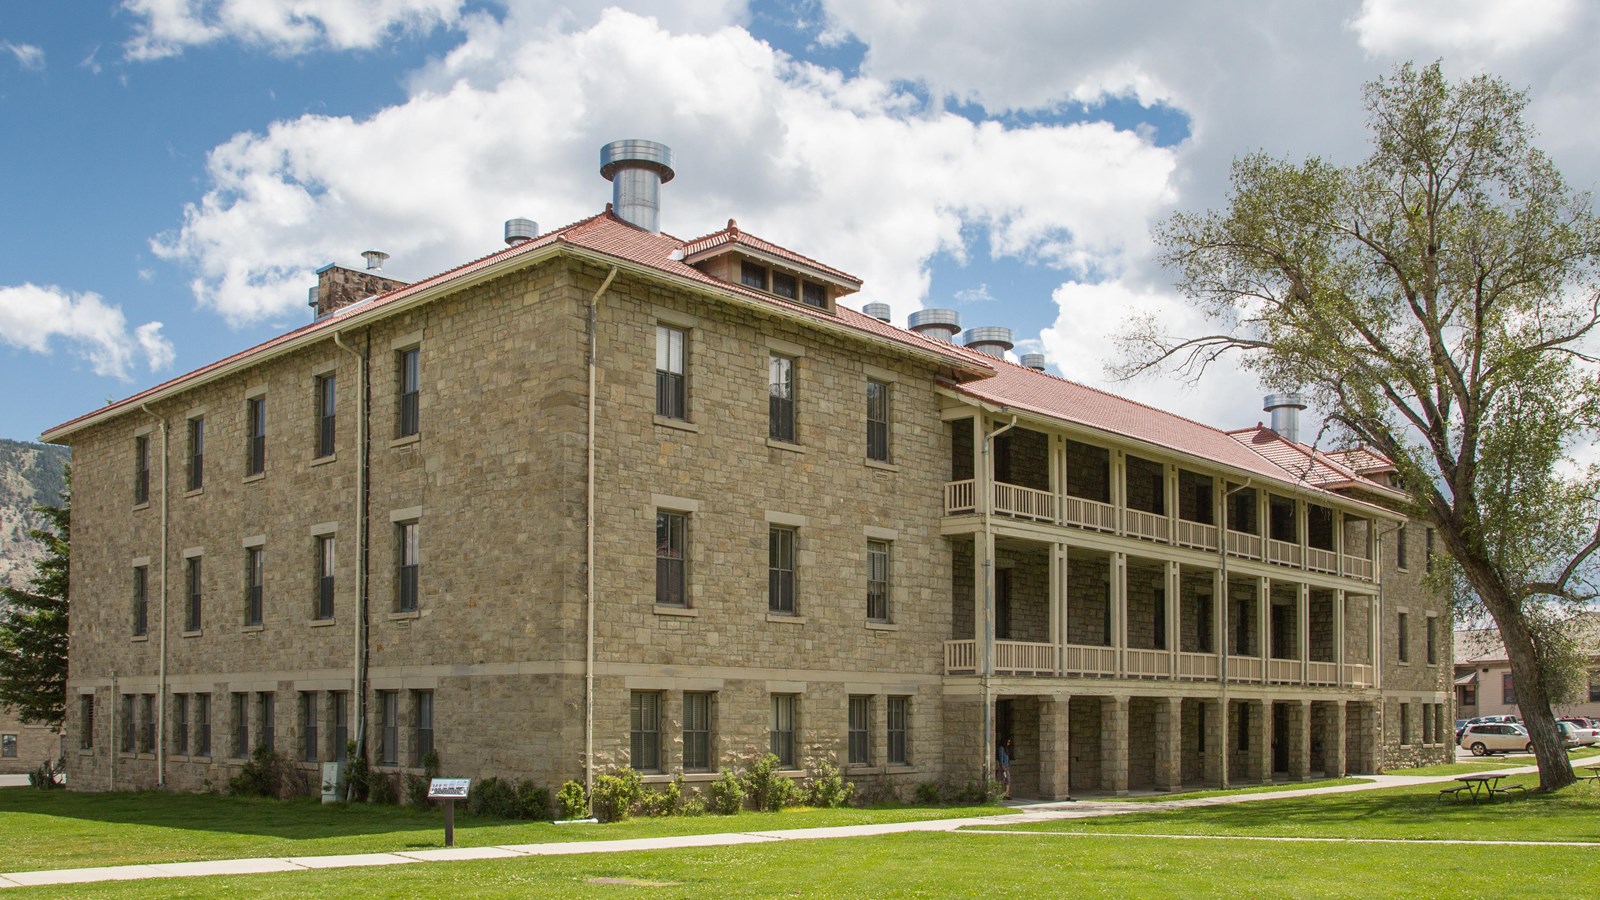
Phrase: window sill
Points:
(323, 460)
(189, 634)
(786, 618)
(321, 623)
(140, 638)
(407, 614)
(1403, 662)
(406, 440)
(259, 476)
(882, 626)
(776, 444)
(139, 506)
(677, 424)
(879, 464)
(657, 778)
(251, 629)
(684, 611)
(700, 777)
(195, 492)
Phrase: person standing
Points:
(1005, 757)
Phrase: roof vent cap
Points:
(637, 169)
(374, 259)
(1285, 409)
(939, 324)
(521, 231)
(1033, 361)
(990, 340)
(879, 311)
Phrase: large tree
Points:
(33, 629)
(1438, 302)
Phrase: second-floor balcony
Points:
(1013, 658)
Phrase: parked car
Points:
(1580, 721)
(1576, 736)
(1486, 738)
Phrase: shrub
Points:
(616, 795)
(694, 804)
(262, 776)
(383, 788)
(666, 802)
(930, 792)
(727, 794)
(826, 788)
(769, 790)
(572, 802)
(357, 774)
(533, 801)
(47, 777)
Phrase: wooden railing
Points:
(1198, 535)
(1023, 658)
(1028, 658)
(1356, 567)
(1150, 526)
(1077, 659)
(960, 657)
(1147, 663)
(1322, 674)
(1091, 514)
(1359, 675)
(1283, 553)
(1198, 666)
(1024, 503)
(1284, 671)
(1244, 545)
(1319, 560)
(1245, 669)
(958, 497)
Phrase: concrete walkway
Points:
(1025, 813)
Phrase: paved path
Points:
(1025, 813)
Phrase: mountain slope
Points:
(30, 475)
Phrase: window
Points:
(8, 746)
(325, 563)
(1159, 620)
(193, 593)
(180, 724)
(813, 294)
(671, 557)
(1469, 695)
(129, 727)
(780, 399)
(780, 569)
(1403, 646)
(327, 420)
(1594, 686)
(1002, 604)
(268, 703)
(782, 733)
(422, 738)
(860, 731)
(1405, 724)
(147, 723)
(85, 721)
(308, 726)
(253, 577)
(899, 728)
(389, 708)
(141, 470)
(1508, 690)
(752, 275)
(197, 453)
(1433, 640)
(877, 421)
(1428, 552)
(141, 601)
(255, 448)
(410, 392)
(1427, 723)
(696, 732)
(672, 396)
(202, 724)
(644, 731)
(406, 595)
(1200, 730)
(1202, 623)
(1242, 743)
(878, 581)
(241, 726)
(1401, 550)
(784, 285)
(341, 725)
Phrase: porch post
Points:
(1302, 630)
(1174, 601)
(1336, 760)
(1058, 602)
(1338, 637)
(1114, 745)
(1169, 743)
(1215, 716)
(1054, 747)
(1264, 625)
(1299, 740)
(1119, 609)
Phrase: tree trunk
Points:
(1533, 698)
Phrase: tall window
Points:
(341, 725)
(325, 563)
(422, 736)
(1242, 739)
(141, 470)
(671, 558)
(644, 731)
(1402, 552)
(406, 596)
(308, 726)
(193, 592)
(1433, 640)
(899, 729)
(197, 453)
(147, 723)
(878, 581)
(1594, 685)
(1508, 690)
(783, 728)
(410, 391)
(129, 726)
(327, 419)
(780, 569)
(672, 395)
(85, 721)
(241, 726)
(268, 702)
(860, 731)
(696, 732)
(877, 421)
(1202, 623)
(1403, 646)
(202, 724)
(1405, 723)
(141, 601)
(780, 399)
(180, 724)
(389, 706)
(255, 450)
(254, 575)
(1159, 619)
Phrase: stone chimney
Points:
(338, 287)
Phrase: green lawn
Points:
(61, 829)
(1251, 789)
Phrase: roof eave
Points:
(851, 285)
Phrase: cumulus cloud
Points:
(164, 28)
(28, 56)
(979, 294)
(33, 317)
(1492, 27)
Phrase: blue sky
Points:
(192, 163)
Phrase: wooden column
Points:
(1114, 745)
(1054, 748)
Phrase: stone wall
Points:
(1088, 471)
(1088, 595)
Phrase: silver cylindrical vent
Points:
(939, 324)
(374, 259)
(521, 231)
(637, 169)
(1033, 361)
(879, 311)
(311, 297)
(1285, 409)
(991, 340)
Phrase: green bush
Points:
(693, 805)
(357, 774)
(826, 788)
(666, 802)
(572, 802)
(417, 785)
(533, 801)
(768, 789)
(930, 792)
(727, 794)
(261, 776)
(616, 795)
(383, 788)
(47, 777)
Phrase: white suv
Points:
(1495, 737)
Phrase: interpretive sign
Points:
(448, 788)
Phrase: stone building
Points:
(24, 748)
(609, 497)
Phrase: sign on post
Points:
(449, 790)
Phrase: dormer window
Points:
(752, 275)
(813, 294)
(784, 285)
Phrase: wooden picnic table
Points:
(1484, 785)
(1594, 773)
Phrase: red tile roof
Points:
(733, 236)
(1313, 466)
(1363, 460)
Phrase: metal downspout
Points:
(161, 676)
(1222, 564)
(588, 566)
(988, 596)
(358, 704)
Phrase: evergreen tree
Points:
(33, 629)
